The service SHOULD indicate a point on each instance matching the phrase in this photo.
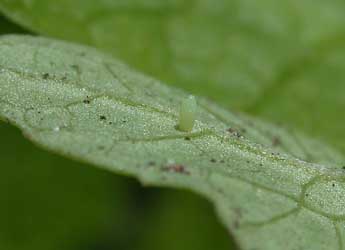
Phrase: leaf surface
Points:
(282, 60)
(271, 187)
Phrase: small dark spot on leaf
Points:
(243, 130)
(124, 121)
(86, 101)
(110, 123)
(231, 130)
(306, 194)
(276, 141)
(45, 76)
(187, 138)
(343, 167)
(333, 185)
(213, 160)
(102, 117)
(234, 132)
(261, 164)
(75, 67)
(176, 168)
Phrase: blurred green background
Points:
(50, 203)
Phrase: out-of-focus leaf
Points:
(279, 59)
(79, 103)
(7, 27)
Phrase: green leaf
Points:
(279, 59)
(79, 103)
(7, 27)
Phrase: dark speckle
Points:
(343, 167)
(87, 101)
(110, 123)
(151, 163)
(75, 67)
(231, 130)
(234, 132)
(306, 194)
(276, 141)
(102, 117)
(213, 160)
(45, 76)
(187, 138)
(176, 168)
(333, 185)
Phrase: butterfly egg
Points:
(187, 114)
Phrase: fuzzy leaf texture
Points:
(270, 187)
(282, 60)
